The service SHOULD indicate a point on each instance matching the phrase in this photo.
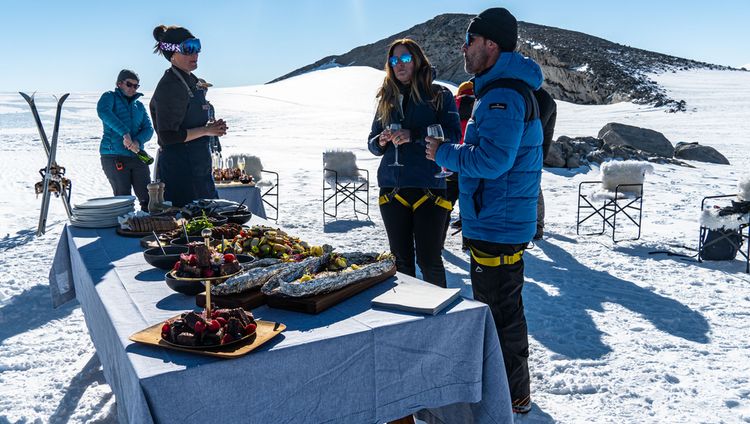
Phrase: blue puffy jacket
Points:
(500, 162)
(121, 116)
(418, 171)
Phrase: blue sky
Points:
(63, 46)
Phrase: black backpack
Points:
(721, 245)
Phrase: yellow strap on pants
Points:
(382, 200)
(486, 259)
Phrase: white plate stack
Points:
(102, 212)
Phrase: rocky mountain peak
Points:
(578, 68)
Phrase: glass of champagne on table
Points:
(241, 164)
(395, 127)
(436, 131)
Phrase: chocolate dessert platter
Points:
(215, 332)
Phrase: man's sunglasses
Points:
(131, 85)
(189, 46)
(470, 37)
(404, 58)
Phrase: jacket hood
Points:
(511, 65)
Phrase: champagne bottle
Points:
(145, 157)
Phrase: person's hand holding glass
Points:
(396, 135)
(434, 138)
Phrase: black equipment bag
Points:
(721, 245)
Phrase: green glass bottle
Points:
(145, 157)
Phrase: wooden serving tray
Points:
(321, 302)
(248, 300)
(264, 332)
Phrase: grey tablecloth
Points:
(250, 194)
(349, 364)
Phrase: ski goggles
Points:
(404, 58)
(189, 46)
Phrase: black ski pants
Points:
(133, 173)
(419, 231)
(500, 288)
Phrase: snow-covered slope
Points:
(617, 334)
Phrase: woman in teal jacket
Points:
(126, 129)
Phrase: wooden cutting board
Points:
(319, 303)
(264, 332)
(247, 301)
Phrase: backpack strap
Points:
(532, 106)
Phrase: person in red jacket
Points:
(464, 104)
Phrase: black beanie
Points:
(170, 34)
(127, 74)
(498, 25)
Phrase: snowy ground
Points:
(617, 335)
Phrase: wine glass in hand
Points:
(392, 128)
(436, 131)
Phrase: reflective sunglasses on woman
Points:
(187, 47)
(404, 58)
(131, 85)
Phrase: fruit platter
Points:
(267, 242)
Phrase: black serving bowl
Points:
(157, 259)
(240, 217)
(244, 259)
(192, 288)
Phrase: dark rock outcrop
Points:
(578, 68)
(574, 152)
(650, 141)
(694, 151)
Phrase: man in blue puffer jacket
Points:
(127, 128)
(500, 166)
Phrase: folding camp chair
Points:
(724, 224)
(342, 181)
(620, 194)
(269, 187)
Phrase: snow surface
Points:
(617, 334)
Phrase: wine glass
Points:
(436, 131)
(229, 164)
(395, 127)
(241, 164)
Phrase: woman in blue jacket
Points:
(412, 199)
(126, 129)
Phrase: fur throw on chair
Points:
(744, 188)
(615, 173)
(343, 162)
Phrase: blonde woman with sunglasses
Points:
(412, 199)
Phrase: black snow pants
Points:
(500, 288)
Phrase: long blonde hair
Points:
(421, 82)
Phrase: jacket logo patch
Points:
(500, 106)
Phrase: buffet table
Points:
(238, 192)
(349, 364)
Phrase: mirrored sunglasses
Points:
(189, 46)
(404, 58)
(470, 37)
